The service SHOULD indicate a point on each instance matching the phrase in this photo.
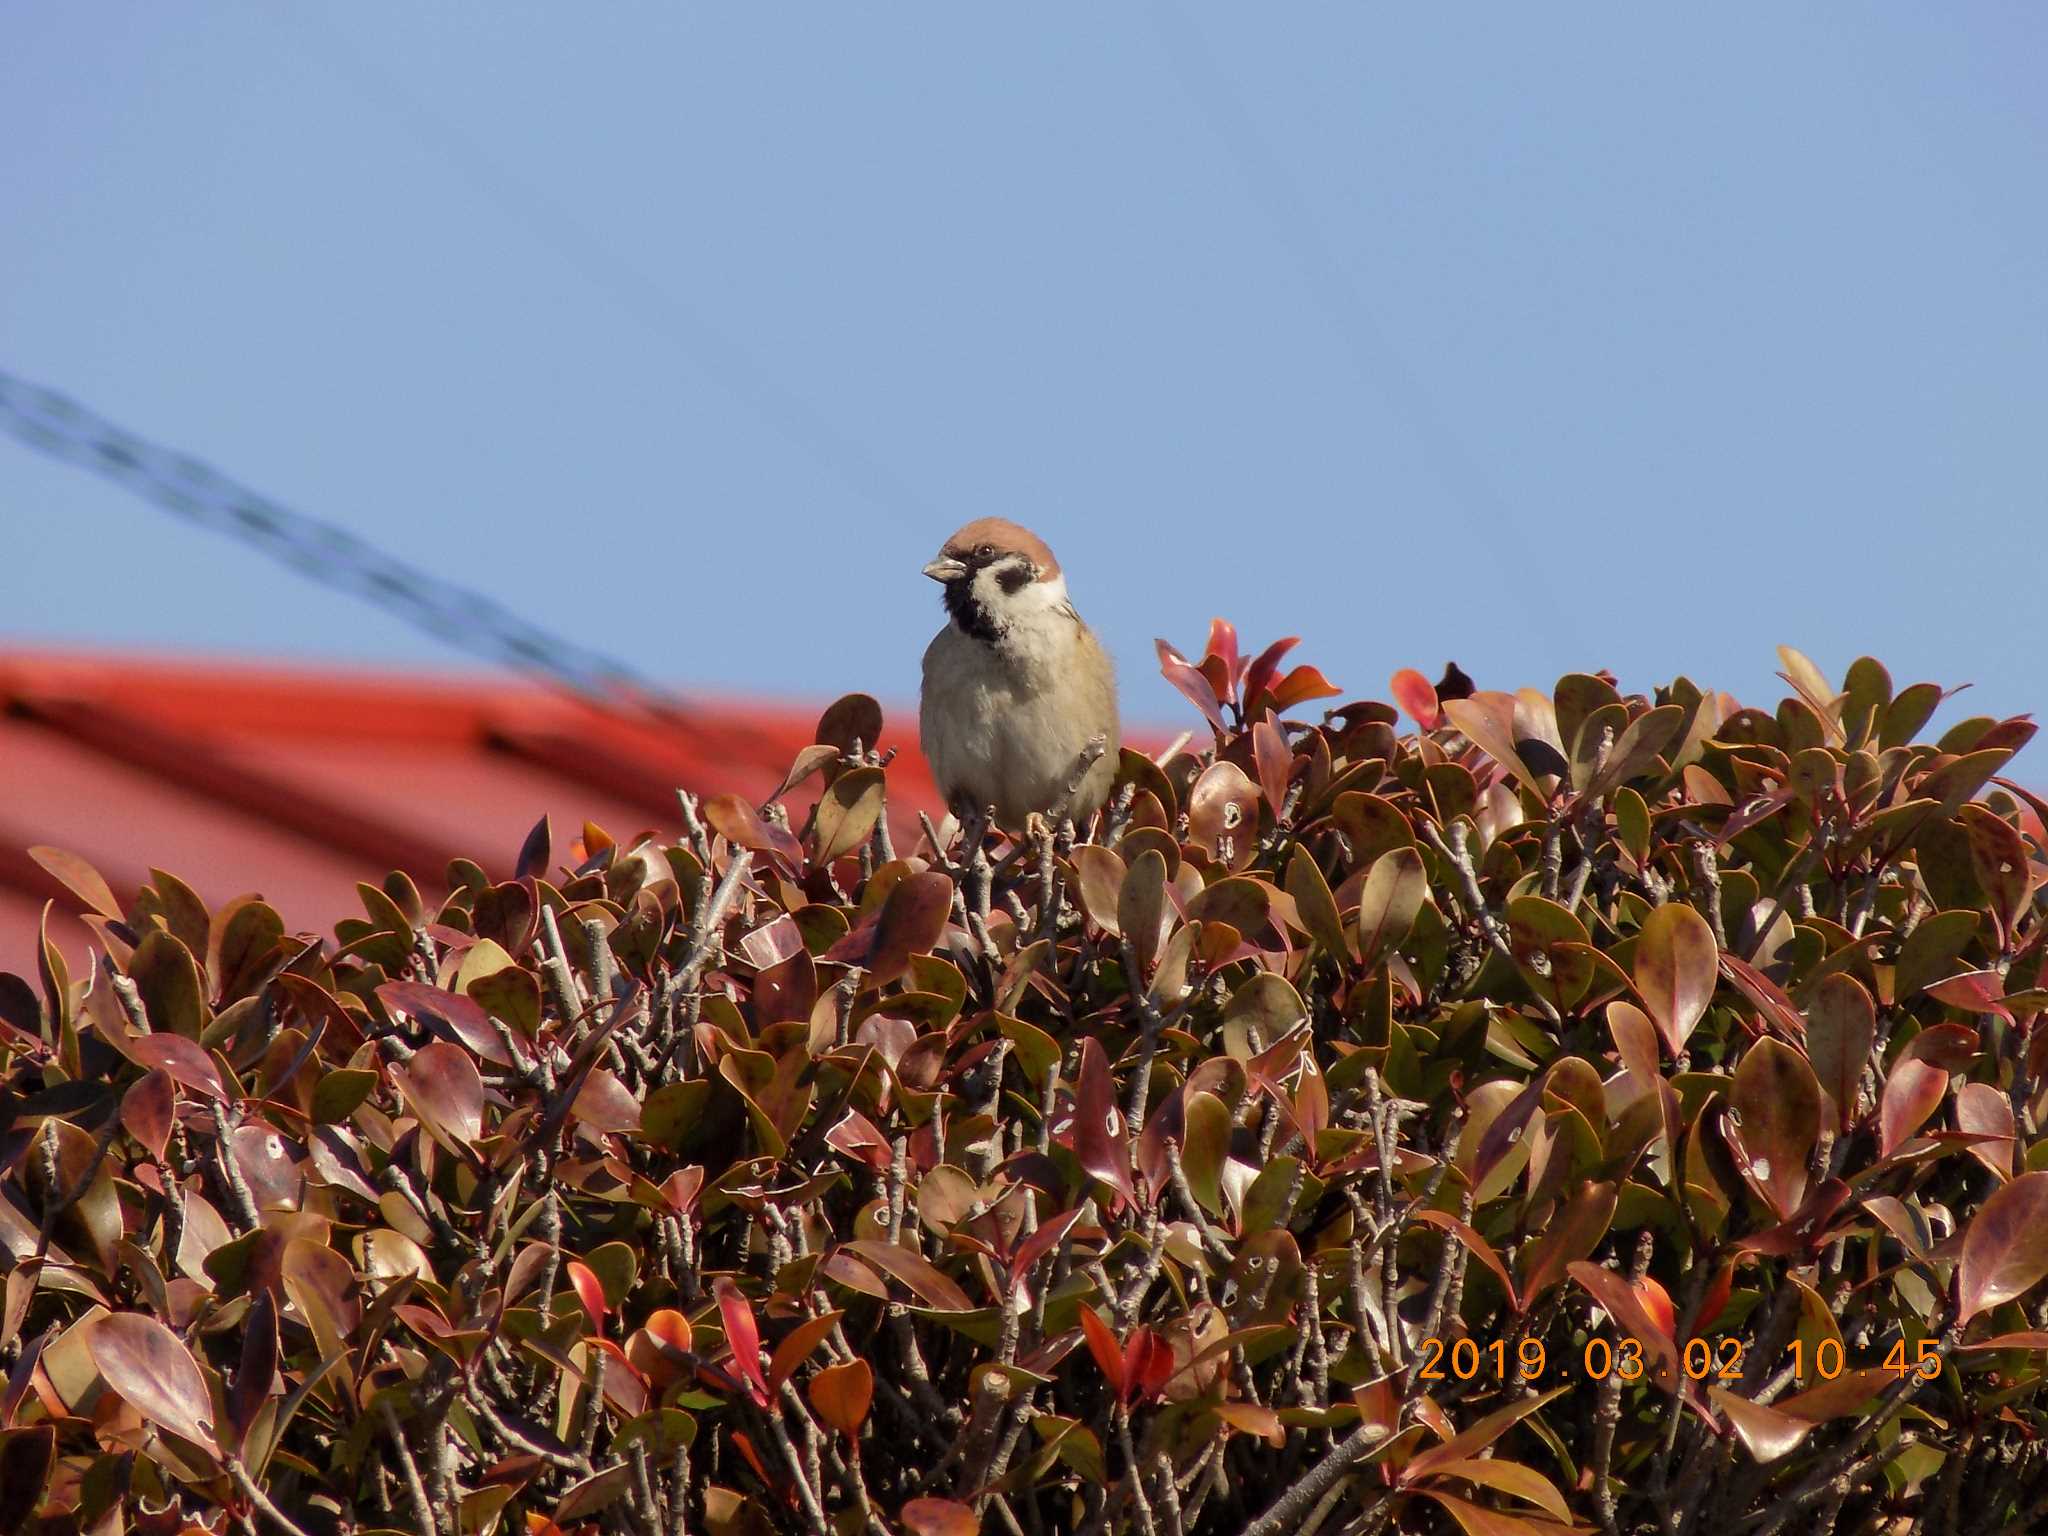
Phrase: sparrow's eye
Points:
(983, 551)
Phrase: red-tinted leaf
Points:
(1251, 1419)
(80, 878)
(148, 1108)
(932, 1285)
(1841, 1022)
(1676, 965)
(536, 852)
(680, 1189)
(1511, 1478)
(268, 1165)
(1100, 874)
(1223, 813)
(1414, 693)
(1983, 1110)
(940, 1517)
(459, 1015)
(1478, 1520)
(1109, 1355)
(2005, 1249)
(671, 1330)
(1777, 1103)
(2025, 1338)
(589, 1291)
(1316, 904)
(443, 1088)
(1575, 1232)
(1389, 903)
(1913, 1090)
(856, 1136)
(1635, 1316)
(740, 824)
(1487, 719)
(842, 1394)
(1506, 1130)
(1148, 1362)
(847, 813)
(1837, 1397)
(912, 921)
(186, 1060)
(1974, 992)
(1275, 762)
(1098, 1134)
(853, 719)
(1637, 750)
(1479, 1247)
(1143, 914)
(593, 1493)
(1765, 995)
(258, 1369)
(147, 1364)
(27, 1457)
(744, 1337)
(1764, 1432)
(1476, 1436)
(796, 1347)
(320, 1283)
(1258, 677)
(1302, 685)
(1176, 670)
(605, 1104)
(1222, 647)
(1043, 1241)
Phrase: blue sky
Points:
(1543, 339)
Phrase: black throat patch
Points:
(969, 613)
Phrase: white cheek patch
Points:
(989, 594)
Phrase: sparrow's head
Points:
(997, 574)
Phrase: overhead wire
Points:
(325, 552)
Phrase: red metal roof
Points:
(299, 782)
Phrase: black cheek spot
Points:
(1013, 579)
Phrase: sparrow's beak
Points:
(946, 568)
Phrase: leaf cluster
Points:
(1580, 1111)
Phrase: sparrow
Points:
(1018, 711)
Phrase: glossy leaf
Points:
(1777, 1103)
(148, 1365)
(2005, 1247)
(1099, 1131)
(1389, 904)
(912, 920)
(80, 878)
(743, 1337)
(841, 1395)
(1913, 1090)
(441, 1086)
(1677, 965)
(1841, 1022)
(847, 813)
(1143, 914)
(1765, 1432)
(147, 1110)
(939, 1517)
